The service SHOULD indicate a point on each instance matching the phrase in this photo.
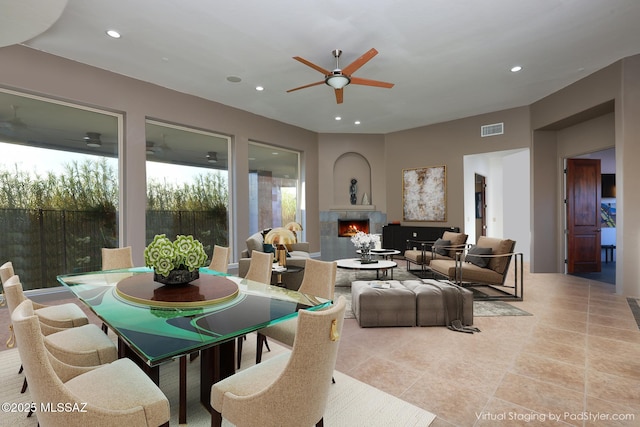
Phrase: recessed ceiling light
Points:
(338, 118)
(275, 153)
(357, 122)
(113, 33)
(259, 88)
(234, 79)
(516, 68)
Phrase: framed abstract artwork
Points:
(424, 194)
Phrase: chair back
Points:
(13, 292)
(220, 259)
(304, 383)
(260, 267)
(44, 384)
(6, 271)
(116, 258)
(319, 278)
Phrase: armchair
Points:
(422, 253)
(484, 268)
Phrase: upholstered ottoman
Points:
(395, 306)
(435, 300)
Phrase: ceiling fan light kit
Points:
(212, 157)
(92, 139)
(339, 78)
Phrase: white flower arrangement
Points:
(363, 240)
(185, 253)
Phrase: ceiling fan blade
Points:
(312, 65)
(368, 82)
(351, 68)
(339, 93)
(306, 86)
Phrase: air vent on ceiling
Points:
(491, 130)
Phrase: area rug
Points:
(351, 402)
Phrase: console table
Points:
(396, 236)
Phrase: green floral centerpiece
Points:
(175, 262)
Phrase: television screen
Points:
(608, 185)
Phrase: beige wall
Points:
(569, 123)
(36, 72)
(446, 144)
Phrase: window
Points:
(59, 186)
(273, 186)
(187, 184)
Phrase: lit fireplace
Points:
(349, 227)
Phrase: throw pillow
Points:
(476, 260)
(268, 248)
(439, 246)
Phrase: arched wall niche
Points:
(347, 166)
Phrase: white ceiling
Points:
(448, 59)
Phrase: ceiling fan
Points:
(339, 78)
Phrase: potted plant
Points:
(175, 262)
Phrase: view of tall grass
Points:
(57, 222)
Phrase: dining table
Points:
(156, 323)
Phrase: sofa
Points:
(298, 254)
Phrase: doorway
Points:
(481, 205)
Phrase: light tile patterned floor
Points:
(578, 356)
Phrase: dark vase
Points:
(177, 277)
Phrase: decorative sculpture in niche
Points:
(353, 190)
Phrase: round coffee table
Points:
(355, 264)
(383, 253)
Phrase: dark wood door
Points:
(583, 216)
(481, 206)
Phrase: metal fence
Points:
(42, 243)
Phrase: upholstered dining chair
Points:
(220, 259)
(319, 280)
(84, 345)
(291, 389)
(259, 271)
(260, 267)
(117, 258)
(117, 393)
(54, 317)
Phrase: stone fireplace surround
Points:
(333, 247)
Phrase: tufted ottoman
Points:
(395, 306)
(438, 299)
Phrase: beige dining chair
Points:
(220, 259)
(118, 393)
(117, 258)
(291, 389)
(319, 280)
(260, 269)
(54, 317)
(84, 345)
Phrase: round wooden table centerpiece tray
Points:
(206, 290)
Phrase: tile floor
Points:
(577, 357)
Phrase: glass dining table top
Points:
(160, 322)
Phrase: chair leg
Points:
(21, 369)
(24, 386)
(320, 423)
(259, 341)
(216, 418)
(105, 328)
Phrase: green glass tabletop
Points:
(160, 322)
